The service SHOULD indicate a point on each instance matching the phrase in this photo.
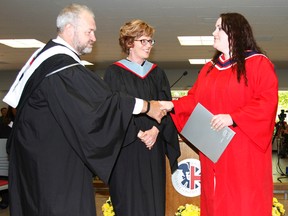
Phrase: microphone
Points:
(184, 74)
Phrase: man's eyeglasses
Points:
(145, 41)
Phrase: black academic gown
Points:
(69, 127)
(137, 184)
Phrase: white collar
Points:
(60, 40)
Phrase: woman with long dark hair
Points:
(239, 86)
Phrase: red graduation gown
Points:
(240, 183)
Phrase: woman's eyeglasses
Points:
(145, 41)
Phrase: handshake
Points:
(157, 109)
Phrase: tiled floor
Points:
(280, 185)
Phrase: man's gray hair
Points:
(70, 14)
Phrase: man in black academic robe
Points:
(69, 127)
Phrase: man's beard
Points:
(82, 48)
(86, 50)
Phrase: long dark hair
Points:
(241, 39)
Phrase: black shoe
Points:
(3, 205)
(4, 199)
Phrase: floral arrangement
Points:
(107, 208)
(188, 210)
(192, 210)
(277, 208)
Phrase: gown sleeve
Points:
(183, 107)
(93, 119)
(115, 81)
(261, 109)
(167, 128)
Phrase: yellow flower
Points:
(277, 208)
(188, 210)
(107, 208)
(193, 210)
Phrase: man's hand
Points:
(155, 112)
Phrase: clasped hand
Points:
(149, 137)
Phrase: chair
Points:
(4, 175)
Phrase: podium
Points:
(179, 192)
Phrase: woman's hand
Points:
(149, 137)
(220, 121)
(166, 105)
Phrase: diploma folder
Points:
(198, 132)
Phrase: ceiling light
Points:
(22, 43)
(199, 61)
(196, 40)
